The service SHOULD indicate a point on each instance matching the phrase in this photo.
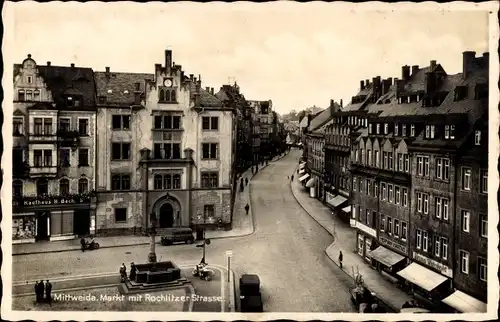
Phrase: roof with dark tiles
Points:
(63, 80)
(206, 98)
(118, 88)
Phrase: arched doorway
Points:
(166, 219)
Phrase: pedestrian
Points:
(247, 208)
(83, 243)
(41, 289)
(252, 170)
(48, 292)
(132, 271)
(341, 257)
(242, 186)
(246, 181)
(37, 291)
(292, 177)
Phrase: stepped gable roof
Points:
(119, 88)
(62, 80)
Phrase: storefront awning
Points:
(337, 201)
(347, 209)
(302, 171)
(385, 256)
(311, 183)
(421, 276)
(465, 303)
(302, 166)
(304, 177)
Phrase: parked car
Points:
(177, 235)
(250, 296)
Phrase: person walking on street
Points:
(83, 243)
(247, 208)
(48, 292)
(41, 288)
(341, 257)
(242, 186)
(246, 181)
(292, 177)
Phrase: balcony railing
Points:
(41, 138)
(38, 171)
(30, 201)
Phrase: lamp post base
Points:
(152, 258)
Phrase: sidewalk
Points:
(242, 226)
(345, 241)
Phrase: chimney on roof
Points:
(486, 59)
(468, 59)
(207, 89)
(168, 60)
(405, 72)
(362, 85)
(137, 94)
(137, 87)
(341, 104)
(72, 65)
(48, 63)
(212, 90)
(191, 77)
(107, 70)
(414, 69)
(433, 65)
(367, 83)
(389, 81)
(399, 87)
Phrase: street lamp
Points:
(205, 242)
(152, 243)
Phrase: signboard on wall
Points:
(441, 268)
(393, 245)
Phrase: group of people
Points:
(41, 289)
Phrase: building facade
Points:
(177, 153)
(54, 152)
(419, 176)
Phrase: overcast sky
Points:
(298, 55)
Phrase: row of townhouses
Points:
(406, 164)
(100, 152)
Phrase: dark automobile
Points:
(177, 235)
(250, 297)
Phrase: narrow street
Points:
(287, 251)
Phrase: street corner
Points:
(212, 295)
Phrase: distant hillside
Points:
(293, 115)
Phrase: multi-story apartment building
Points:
(53, 152)
(264, 114)
(255, 139)
(413, 178)
(315, 146)
(231, 97)
(175, 144)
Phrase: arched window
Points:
(17, 188)
(162, 95)
(177, 181)
(167, 181)
(83, 185)
(172, 95)
(158, 182)
(42, 187)
(64, 187)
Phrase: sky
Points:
(297, 55)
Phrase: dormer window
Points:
(400, 100)
(408, 99)
(36, 95)
(29, 96)
(396, 129)
(125, 91)
(69, 101)
(403, 130)
(378, 128)
(418, 98)
(386, 128)
(452, 132)
(429, 131)
(29, 79)
(460, 93)
(110, 91)
(477, 137)
(412, 130)
(370, 128)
